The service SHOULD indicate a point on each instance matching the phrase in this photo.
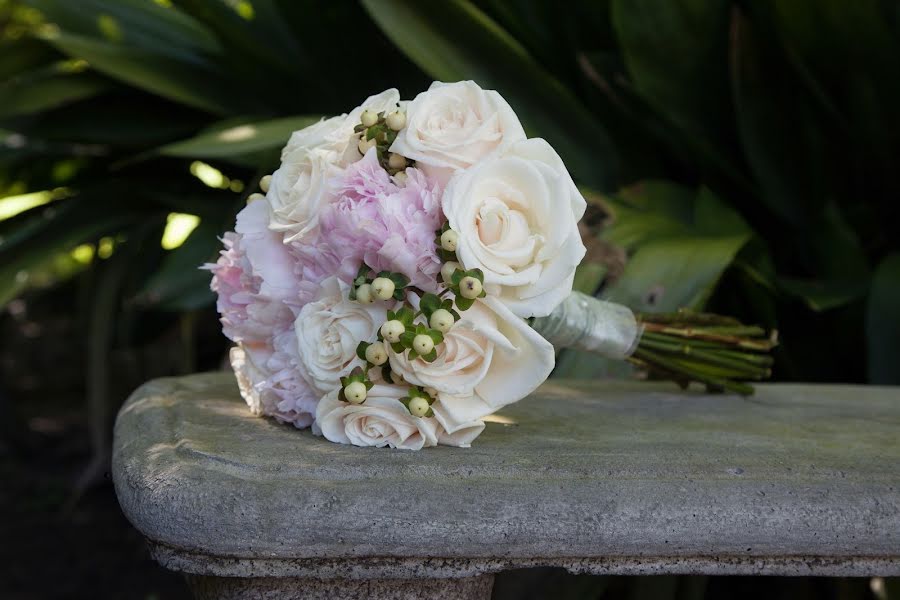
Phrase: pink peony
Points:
(373, 220)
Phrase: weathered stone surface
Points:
(288, 588)
(593, 476)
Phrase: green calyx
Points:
(432, 302)
(406, 341)
(417, 392)
(458, 275)
(356, 375)
(364, 275)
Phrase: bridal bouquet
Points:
(389, 287)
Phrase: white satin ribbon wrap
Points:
(586, 323)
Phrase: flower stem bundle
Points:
(719, 352)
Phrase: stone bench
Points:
(595, 477)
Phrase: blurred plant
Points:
(131, 132)
(746, 150)
(765, 134)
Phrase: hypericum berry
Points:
(396, 161)
(376, 354)
(447, 270)
(365, 145)
(254, 197)
(423, 344)
(430, 391)
(383, 288)
(392, 330)
(396, 120)
(364, 294)
(264, 183)
(449, 240)
(397, 378)
(442, 320)
(401, 178)
(470, 288)
(418, 406)
(355, 392)
(368, 118)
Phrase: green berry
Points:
(383, 288)
(364, 294)
(418, 406)
(368, 118)
(396, 120)
(355, 392)
(423, 344)
(442, 320)
(392, 330)
(376, 354)
(470, 288)
(449, 240)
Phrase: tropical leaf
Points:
(237, 138)
(883, 322)
(450, 40)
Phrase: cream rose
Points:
(517, 219)
(455, 125)
(488, 359)
(381, 421)
(328, 330)
(298, 191)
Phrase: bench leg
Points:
(289, 588)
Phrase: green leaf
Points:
(476, 273)
(197, 85)
(883, 323)
(400, 280)
(782, 138)
(47, 88)
(406, 315)
(436, 336)
(135, 23)
(680, 242)
(450, 40)
(464, 303)
(58, 229)
(675, 52)
(429, 303)
(678, 256)
(361, 349)
(237, 138)
(406, 339)
(430, 357)
(180, 284)
(821, 295)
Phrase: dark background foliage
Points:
(737, 155)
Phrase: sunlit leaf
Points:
(239, 138)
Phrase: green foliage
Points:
(747, 151)
(765, 135)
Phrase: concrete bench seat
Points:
(596, 477)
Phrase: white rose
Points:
(455, 125)
(381, 421)
(517, 219)
(488, 359)
(311, 157)
(328, 331)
